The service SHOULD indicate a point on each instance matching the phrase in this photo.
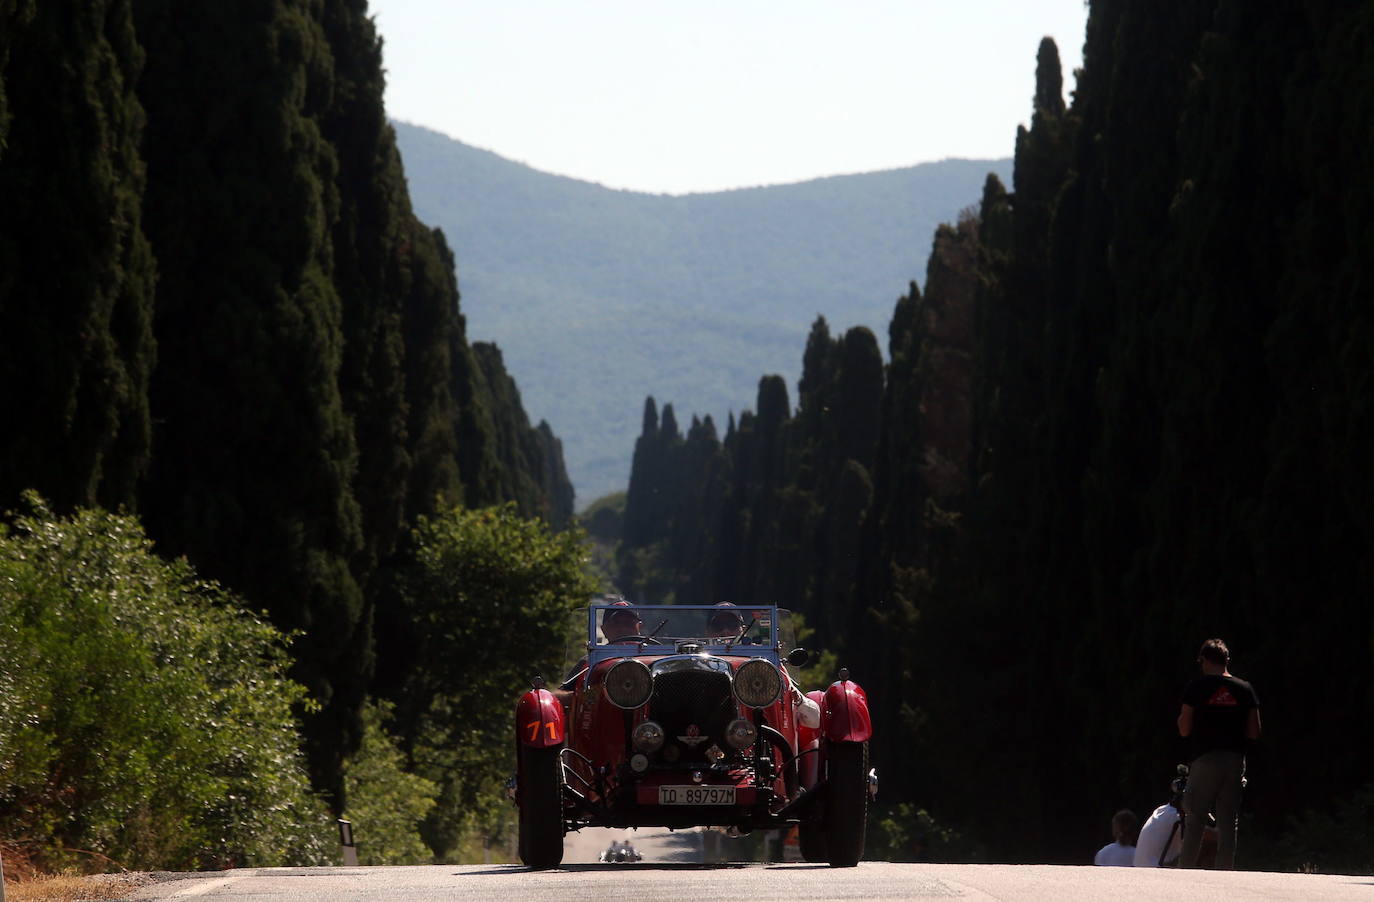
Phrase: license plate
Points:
(696, 795)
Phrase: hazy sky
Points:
(710, 94)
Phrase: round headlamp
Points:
(741, 734)
(757, 683)
(648, 737)
(628, 683)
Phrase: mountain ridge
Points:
(598, 296)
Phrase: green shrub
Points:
(1336, 839)
(146, 717)
(386, 804)
(487, 599)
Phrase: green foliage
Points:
(903, 832)
(604, 521)
(145, 717)
(304, 355)
(1129, 409)
(1337, 839)
(824, 666)
(530, 459)
(259, 495)
(604, 518)
(76, 271)
(487, 598)
(385, 803)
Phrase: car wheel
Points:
(846, 803)
(811, 840)
(541, 808)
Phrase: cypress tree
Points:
(76, 272)
(530, 468)
(431, 322)
(369, 238)
(14, 18)
(255, 456)
(640, 496)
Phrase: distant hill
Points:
(598, 297)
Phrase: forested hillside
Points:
(599, 297)
(1129, 410)
(220, 314)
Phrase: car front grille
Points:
(686, 698)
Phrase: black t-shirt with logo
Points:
(1221, 710)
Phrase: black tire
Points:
(541, 808)
(811, 839)
(846, 803)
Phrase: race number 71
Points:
(549, 725)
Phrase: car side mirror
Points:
(798, 657)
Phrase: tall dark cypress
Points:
(530, 468)
(76, 272)
(254, 454)
(369, 238)
(14, 18)
(431, 324)
(641, 497)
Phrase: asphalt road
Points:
(652, 881)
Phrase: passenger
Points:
(728, 624)
(724, 624)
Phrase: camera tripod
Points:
(1176, 788)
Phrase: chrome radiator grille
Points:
(685, 698)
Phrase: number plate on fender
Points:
(696, 795)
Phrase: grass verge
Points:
(60, 888)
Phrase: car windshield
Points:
(713, 626)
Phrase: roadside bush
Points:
(386, 804)
(903, 832)
(487, 596)
(1338, 839)
(145, 716)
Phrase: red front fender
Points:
(539, 720)
(844, 716)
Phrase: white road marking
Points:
(204, 888)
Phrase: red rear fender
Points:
(539, 720)
(844, 713)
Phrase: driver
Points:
(621, 622)
(616, 624)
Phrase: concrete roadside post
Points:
(350, 851)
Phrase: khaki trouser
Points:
(1214, 784)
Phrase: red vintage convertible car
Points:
(672, 721)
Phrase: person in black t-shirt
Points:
(1219, 718)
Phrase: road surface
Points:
(652, 881)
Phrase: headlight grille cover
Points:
(688, 693)
(757, 683)
(628, 683)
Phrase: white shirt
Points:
(1115, 855)
(1155, 834)
(808, 712)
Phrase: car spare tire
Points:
(541, 807)
(846, 802)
